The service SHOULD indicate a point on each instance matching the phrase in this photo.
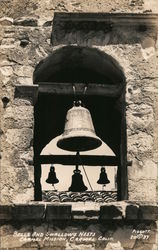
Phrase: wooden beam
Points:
(110, 90)
(89, 160)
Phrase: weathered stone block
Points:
(140, 118)
(18, 117)
(21, 212)
(110, 212)
(26, 21)
(27, 157)
(132, 212)
(92, 213)
(23, 195)
(58, 212)
(146, 169)
(22, 177)
(148, 212)
(6, 71)
(28, 212)
(78, 213)
(151, 6)
(22, 102)
(25, 71)
(5, 212)
(24, 80)
(140, 142)
(115, 245)
(20, 138)
(8, 42)
(142, 190)
(6, 21)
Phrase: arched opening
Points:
(56, 76)
(79, 65)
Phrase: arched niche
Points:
(73, 65)
(79, 64)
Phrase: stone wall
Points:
(120, 226)
(20, 52)
(45, 10)
(25, 32)
(24, 43)
(17, 174)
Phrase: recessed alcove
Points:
(75, 64)
(104, 81)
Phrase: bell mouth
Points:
(103, 182)
(52, 182)
(79, 143)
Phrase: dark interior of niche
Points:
(50, 113)
(80, 75)
(79, 65)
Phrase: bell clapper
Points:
(54, 189)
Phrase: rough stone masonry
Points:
(25, 32)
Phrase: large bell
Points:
(52, 179)
(79, 133)
(103, 179)
(77, 182)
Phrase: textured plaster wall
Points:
(25, 41)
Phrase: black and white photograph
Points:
(79, 124)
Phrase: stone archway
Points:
(79, 64)
(104, 97)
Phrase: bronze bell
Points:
(103, 179)
(79, 133)
(52, 179)
(77, 182)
